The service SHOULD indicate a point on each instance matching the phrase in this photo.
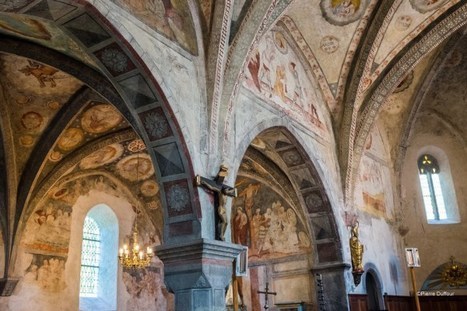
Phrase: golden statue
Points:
(356, 249)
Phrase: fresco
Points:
(96, 119)
(266, 223)
(49, 226)
(373, 187)
(47, 273)
(147, 290)
(45, 33)
(426, 5)
(273, 72)
(171, 18)
(35, 93)
(105, 155)
(343, 12)
(100, 119)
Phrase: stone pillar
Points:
(334, 294)
(198, 273)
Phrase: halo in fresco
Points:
(102, 156)
(424, 6)
(280, 42)
(135, 167)
(100, 118)
(343, 12)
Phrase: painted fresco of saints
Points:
(343, 12)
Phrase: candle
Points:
(149, 250)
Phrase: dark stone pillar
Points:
(198, 273)
(7, 286)
(334, 290)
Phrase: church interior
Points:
(211, 155)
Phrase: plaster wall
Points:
(448, 238)
(382, 252)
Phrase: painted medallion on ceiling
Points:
(274, 72)
(35, 93)
(172, 18)
(343, 12)
(423, 6)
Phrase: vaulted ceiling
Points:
(372, 61)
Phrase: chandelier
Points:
(132, 256)
(455, 274)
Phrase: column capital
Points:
(198, 271)
(198, 251)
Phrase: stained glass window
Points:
(433, 199)
(90, 257)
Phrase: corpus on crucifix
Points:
(220, 191)
(266, 293)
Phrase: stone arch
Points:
(373, 287)
(433, 36)
(131, 88)
(275, 164)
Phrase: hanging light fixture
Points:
(131, 255)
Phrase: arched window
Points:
(98, 283)
(433, 199)
(437, 188)
(90, 258)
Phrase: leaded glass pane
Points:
(426, 196)
(90, 257)
(90, 229)
(90, 253)
(88, 284)
(439, 197)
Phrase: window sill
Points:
(443, 222)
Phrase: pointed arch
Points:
(131, 88)
(310, 194)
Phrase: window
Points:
(90, 257)
(431, 188)
(437, 190)
(99, 263)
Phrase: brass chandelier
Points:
(455, 274)
(132, 256)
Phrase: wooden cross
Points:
(266, 292)
(220, 190)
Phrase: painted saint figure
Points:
(344, 9)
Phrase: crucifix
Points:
(220, 191)
(266, 292)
